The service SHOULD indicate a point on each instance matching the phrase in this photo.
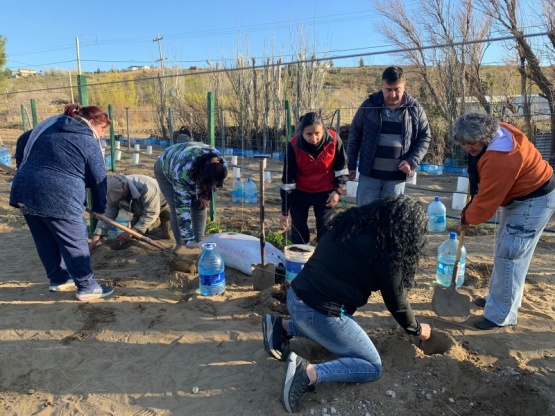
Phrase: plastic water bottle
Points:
(437, 216)
(123, 219)
(446, 256)
(211, 271)
(250, 193)
(5, 156)
(237, 191)
(112, 233)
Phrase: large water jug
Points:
(211, 270)
(437, 216)
(446, 256)
(237, 191)
(250, 193)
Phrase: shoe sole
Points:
(268, 332)
(289, 376)
(66, 287)
(92, 296)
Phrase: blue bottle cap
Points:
(453, 235)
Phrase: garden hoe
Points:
(447, 303)
(264, 274)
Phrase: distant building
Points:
(512, 106)
(138, 68)
(193, 68)
(24, 73)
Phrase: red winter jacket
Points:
(322, 168)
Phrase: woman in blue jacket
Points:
(61, 159)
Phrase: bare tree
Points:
(507, 14)
(242, 89)
(450, 71)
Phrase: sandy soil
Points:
(146, 349)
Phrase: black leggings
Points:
(299, 215)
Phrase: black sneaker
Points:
(276, 340)
(295, 386)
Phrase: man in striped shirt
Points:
(389, 137)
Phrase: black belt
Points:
(546, 188)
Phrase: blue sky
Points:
(121, 33)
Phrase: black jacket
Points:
(338, 278)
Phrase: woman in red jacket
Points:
(314, 171)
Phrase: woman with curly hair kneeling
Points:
(371, 248)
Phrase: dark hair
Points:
(393, 74)
(90, 113)
(399, 223)
(207, 174)
(310, 119)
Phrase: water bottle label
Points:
(212, 279)
(438, 219)
(446, 268)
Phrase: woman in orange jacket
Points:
(506, 171)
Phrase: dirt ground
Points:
(147, 349)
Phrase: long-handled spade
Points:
(134, 233)
(447, 303)
(264, 274)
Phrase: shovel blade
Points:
(263, 276)
(451, 305)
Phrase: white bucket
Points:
(137, 147)
(268, 177)
(462, 184)
(236, 172)
(233, 160)
(459, 201)
(135, 160)
(352, 188)
(411, 179)
(296, 255)
(149, 150)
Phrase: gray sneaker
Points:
(94, 293)
(66, 286)
(275, 337)
(295, 386)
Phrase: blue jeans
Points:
(358, 361)
(520, 228)
(370, 189)
(63, 250)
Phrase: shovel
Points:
(130, 231)
(447, 303)
(263, 275)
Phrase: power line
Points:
(305, 61)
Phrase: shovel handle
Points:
(129, 230)
(262, 230)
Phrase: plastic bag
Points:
(241, 251)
